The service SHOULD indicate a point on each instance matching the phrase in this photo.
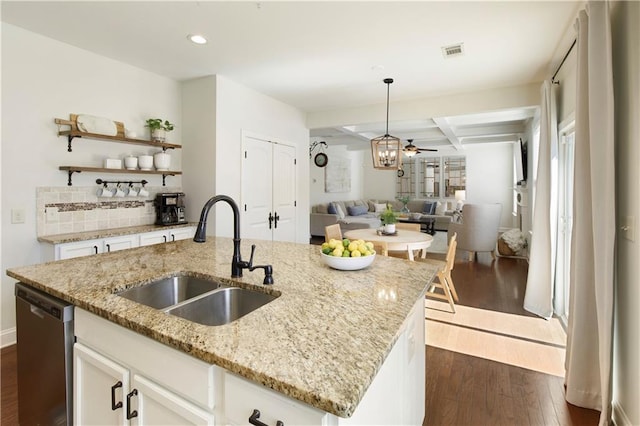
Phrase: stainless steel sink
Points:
(199, 300)
(169, 291)
(221, 306)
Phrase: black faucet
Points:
(237, 264)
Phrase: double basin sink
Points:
(203, 301)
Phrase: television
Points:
(520, 161)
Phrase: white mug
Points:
(105, 192)
(143, 192)
(132, 192)
(118, 192)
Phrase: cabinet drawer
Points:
(241, 397)
(183, 374)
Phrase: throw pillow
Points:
(440, 208)
(320, 208)
(372, 205)
(379, 208)
(339, 211)
(331, 209)
(429, 207)
(357, 210)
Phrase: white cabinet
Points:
(104, 394)
(123, 378)
(109, 244)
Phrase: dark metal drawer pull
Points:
(115, 405)
(253, 419)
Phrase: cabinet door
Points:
(157, 406)
(150, 238)
(78, 249)
(98, 382)
(181, 233)
(121, 243)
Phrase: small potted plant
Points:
(389, 218)
(159, 128)
(404, 200)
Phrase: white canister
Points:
(162, 160)
(145, 162)
(130, 162)
(390, 228)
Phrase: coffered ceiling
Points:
(325, 56)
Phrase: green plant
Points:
(157, 124)
(388, 216)
(404, 200)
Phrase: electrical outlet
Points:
(51, 214)
(629, 228)
(17, 215)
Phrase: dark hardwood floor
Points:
(466, 390)
(9, 379)
(461, 389)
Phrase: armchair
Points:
(479, 228)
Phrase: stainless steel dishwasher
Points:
(45, 358)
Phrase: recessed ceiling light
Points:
(197, 39)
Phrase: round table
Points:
(404, 240)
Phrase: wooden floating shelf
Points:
(74, 132)
(70, 134)
(75, 169)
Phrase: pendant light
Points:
(385, 150)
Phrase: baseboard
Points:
(619, 417)
(8, 337)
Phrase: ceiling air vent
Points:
(453, 50)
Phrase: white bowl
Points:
(130, 163)
(348, 263)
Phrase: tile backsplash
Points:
(62, 210)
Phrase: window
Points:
(432, 177)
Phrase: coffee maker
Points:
(170, 208)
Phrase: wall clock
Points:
(320, 159)
(400, 173)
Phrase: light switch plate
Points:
(17, 215)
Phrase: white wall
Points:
(43, 79)
(234, 109)
(317, 176)
(626, 71)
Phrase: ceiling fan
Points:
(411, 150)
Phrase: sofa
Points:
(363, 213)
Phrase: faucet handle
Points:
(253, 250)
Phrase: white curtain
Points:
(538, 297)
(589, 334)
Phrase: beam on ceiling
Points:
(448, 132)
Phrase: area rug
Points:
(439, 243)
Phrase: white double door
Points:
(268, 190)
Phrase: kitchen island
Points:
(322, 341)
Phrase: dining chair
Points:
(408, 226)
(380, 247)
(332, 231)
(445, 282)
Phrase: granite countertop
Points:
(104, 233)
(322, 341)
